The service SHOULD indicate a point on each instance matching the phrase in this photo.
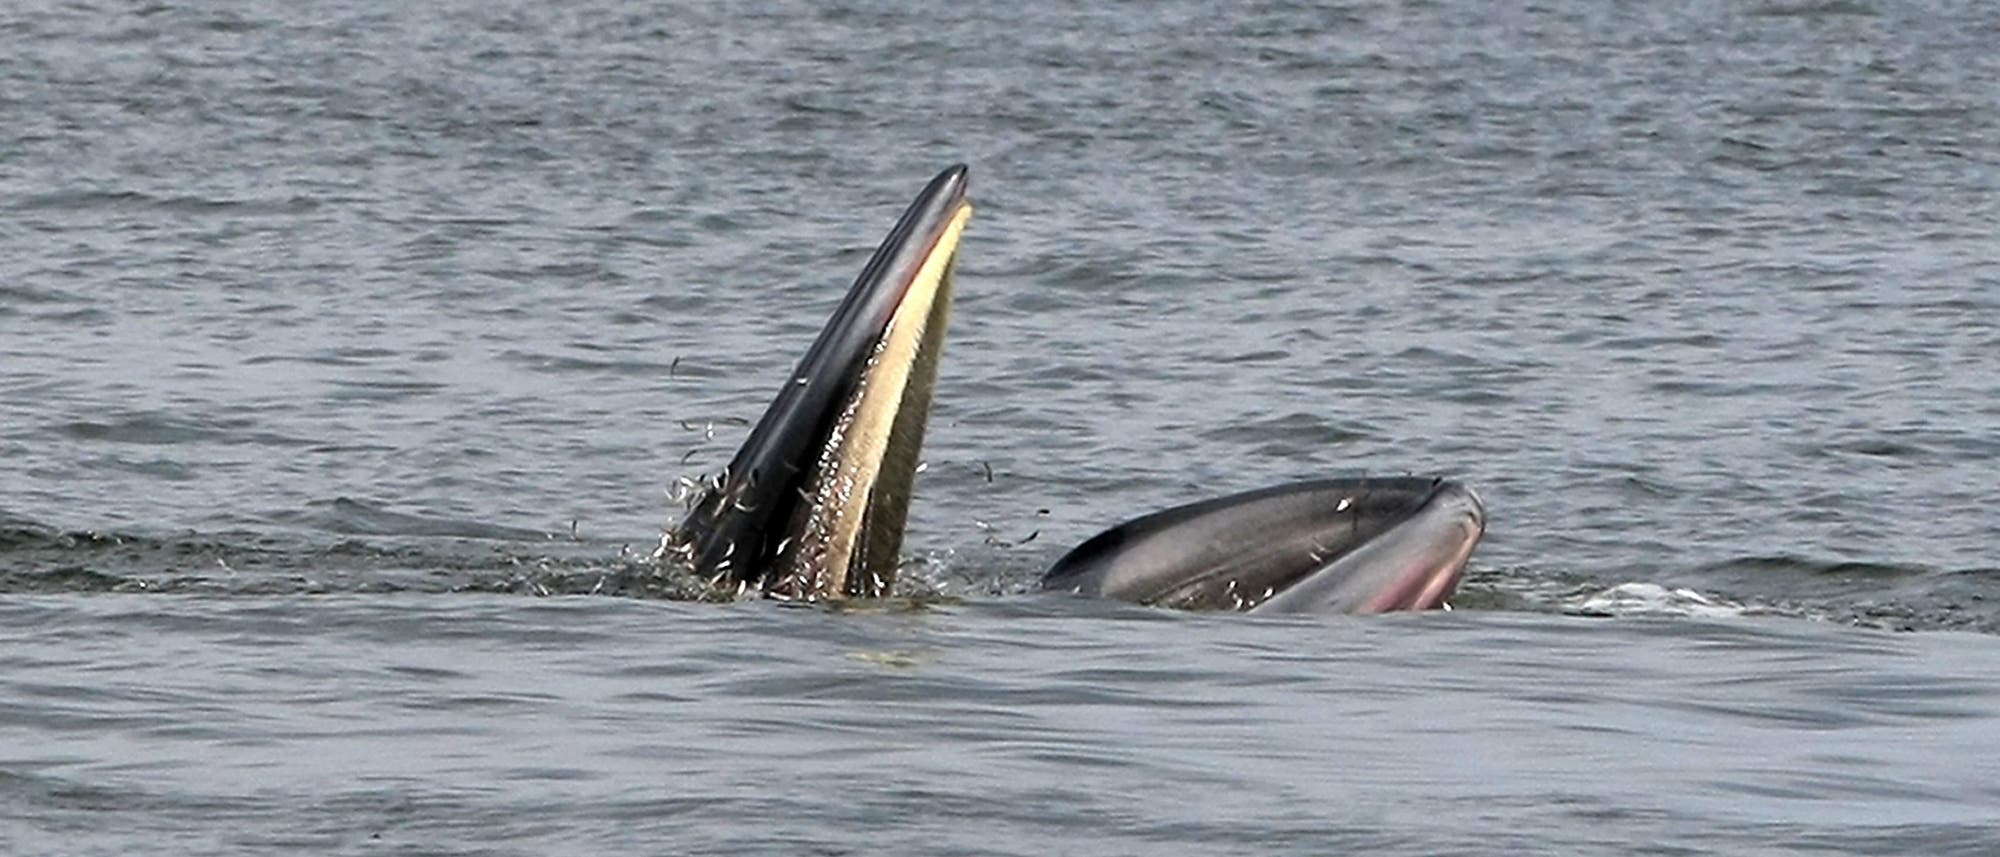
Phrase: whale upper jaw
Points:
(1367, 545)
(813, 504)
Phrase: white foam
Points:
(1652, 599)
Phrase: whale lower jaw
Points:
(813, 504)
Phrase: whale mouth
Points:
(1329, 546)
(1415, 564)
(813, 504)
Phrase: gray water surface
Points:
(320, 324)
(465, 724)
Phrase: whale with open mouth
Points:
(812, 506)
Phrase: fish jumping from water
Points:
(812, 507)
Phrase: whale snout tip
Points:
(1463, 499)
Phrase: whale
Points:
(812, 506)
(1352, 545)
